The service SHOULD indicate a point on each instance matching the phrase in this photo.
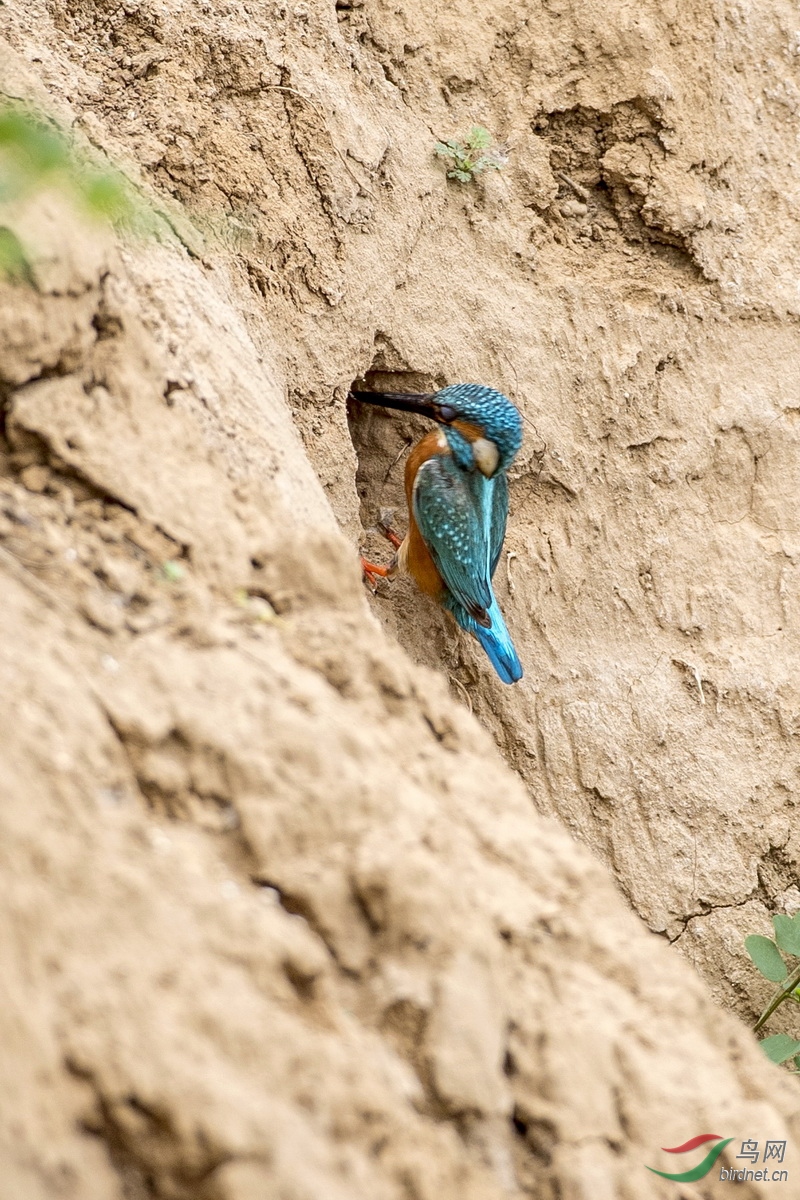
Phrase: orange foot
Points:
(391, 534)
(373, 572)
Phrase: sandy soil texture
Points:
(299, 902)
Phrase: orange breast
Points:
(418, 558)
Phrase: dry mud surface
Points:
(282, 918)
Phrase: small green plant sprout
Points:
(172, 571)
(767, 956)
(257, 608)
(475, 154)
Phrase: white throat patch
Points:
(487, 456)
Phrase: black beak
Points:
(403, 401)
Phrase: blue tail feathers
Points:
(495, 640)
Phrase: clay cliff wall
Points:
(300, 901)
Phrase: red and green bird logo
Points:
(702, 1168)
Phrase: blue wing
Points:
(462, 519)
(454, 529)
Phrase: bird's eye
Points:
(446, 413)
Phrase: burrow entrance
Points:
(382, 439)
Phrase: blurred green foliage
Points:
(13, 263)
(34, 155)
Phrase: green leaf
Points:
(14, 264)
(468, 158)
(479, 138)
(779, 1047)
(766, 956)
(37, 146)
(484, 162)
(105, 196)
(787, 933)
(173, 571)
(449, 149)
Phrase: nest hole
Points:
(381, 439)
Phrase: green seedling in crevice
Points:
(35, 155)
(767, 956)
(173, 571)
(257, 608)
(475, 154)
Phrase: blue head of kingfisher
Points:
(457, 493)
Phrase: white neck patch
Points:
(487, 456)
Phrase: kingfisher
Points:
(456, 488)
